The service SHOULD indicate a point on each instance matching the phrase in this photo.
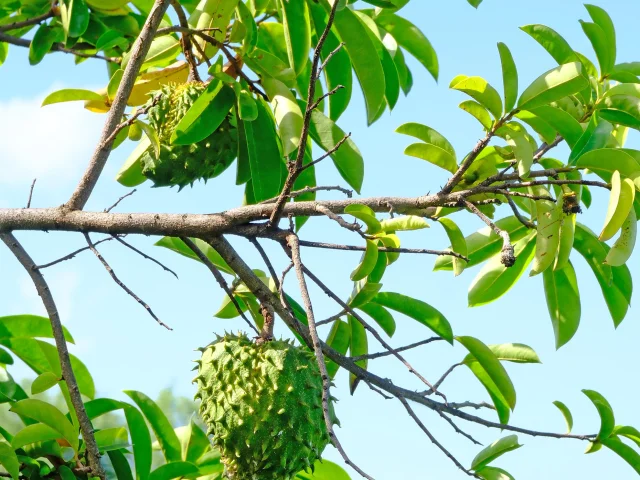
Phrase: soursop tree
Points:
(261, 86)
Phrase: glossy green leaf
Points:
(4, 51)
(44, 382)
(269, 65)
(112, 439)
(595, 137)
(488, 360)
(324, 470)
(552, 42)
(49, 415)
(494, 279)
(624, 245)
(419, 311)
(601, 18)
(368, 262)
(627, 453)
(228, 310)
(28, 326)
(615, 282)
(359, 346)
(503, 409)
(432, 154)
(557, 83)
(548, 239)
(42, 42)
(9, 460)
(74, 15)
(546, 132)
(287, 113)
(516, 136)
(607, 420)
(492, 473)
(480, 90)
(347, 159)
(167, 438)
(566, 413)
(485, 243)
(141, 441)
(403, 223)
(510, 352)
(620, 203)
(600, 45)
(605, 161)
(368, 216)
(339, 339)
(382, 317)
(566, 126)
(71, 95)
(205, 115)
(162, 52)
(458, 243)
(479, 112)
(38, 432)
(427, 135)
(362, 51)
(120, 465)
(404, 74)
(363, 293)
(297, 32)
(621, 109)
(495, 450)
(509, 77)
(176, 245)
(628, 432)
(411, 39)
(563, 301)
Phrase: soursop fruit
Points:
(263, 405)
(182, 165)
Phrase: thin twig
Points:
(56, 47)
(544, 148)
(219, 278)
(508, 257)
(266, 260)
(297, 193)
(328, 153)
(354, 227)
(332, 318)
(186, 42)
(444, 377)
(68, 375)
(144, 255)
(100, 156)
(33, 184)
(107, 210)
(132, 119)
(415, 418)
(457, 429)
(327, 59)
(292, 241)
(120, 284)
(28, 22)
(73, 254)
(393, 351)
(356, 248)
(518, 215)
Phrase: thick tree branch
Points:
(138, 52)
(69, 377)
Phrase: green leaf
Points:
(492, 473)
(546, 132)
(71, 95)
(4, 51)
(488, 360)
(623, 248)
(245, 17)
(479, 112)
(42, 42)
(5, 357)
(363, 293)
(628, 432)
(566, 413)
(359, 346)
(509, 77)
(176, 469)
(427, 135)
(365, 214)
(120, 465)
(480, 90)
(297, 32)
(130, 174)
(100, 406)
(567, 126)
(419, 311)
(194, 443)
(516, 136)
(458, 243)
(269, 65)
(627, 453)
(404, 74)
(176, 245)
(228, 310)
(347, 159)
(607, 420)
(205, 115)
(485, 243)
(9, 460)
(601, 18)
(35, 433)
(163, 51)
(563, 301)
(495, 280)
(44, 382)
(338, 70)
(324, 470)
(510, 352)
(112, 439)
(552, 42)
(605, 161)
(495, 450)
(411, 39)
(553, 85)
(503, 409)
(368, 262)
(49, 415)
(548, 239)
(287, 113)
(621, 109)
(404, 223)
(595, 137)
(28, 326)
(381, 316)
(362, 51)
(163, 430)
(615, 282)
(141, 441)
(621, 200)
(598, 40)
(75, 17)
(433, 154)
(339, 339)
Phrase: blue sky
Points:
(125, 349)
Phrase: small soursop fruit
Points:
(184, 164)
(263, 405)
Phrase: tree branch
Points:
(69, 377)
(508, 257)
(139, 51)
(56, 47)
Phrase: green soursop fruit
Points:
(263, 405)
(184, 164)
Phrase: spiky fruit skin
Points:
(263, 405)
(182, 165)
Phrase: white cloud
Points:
(51, 143)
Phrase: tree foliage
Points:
(279, 76)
